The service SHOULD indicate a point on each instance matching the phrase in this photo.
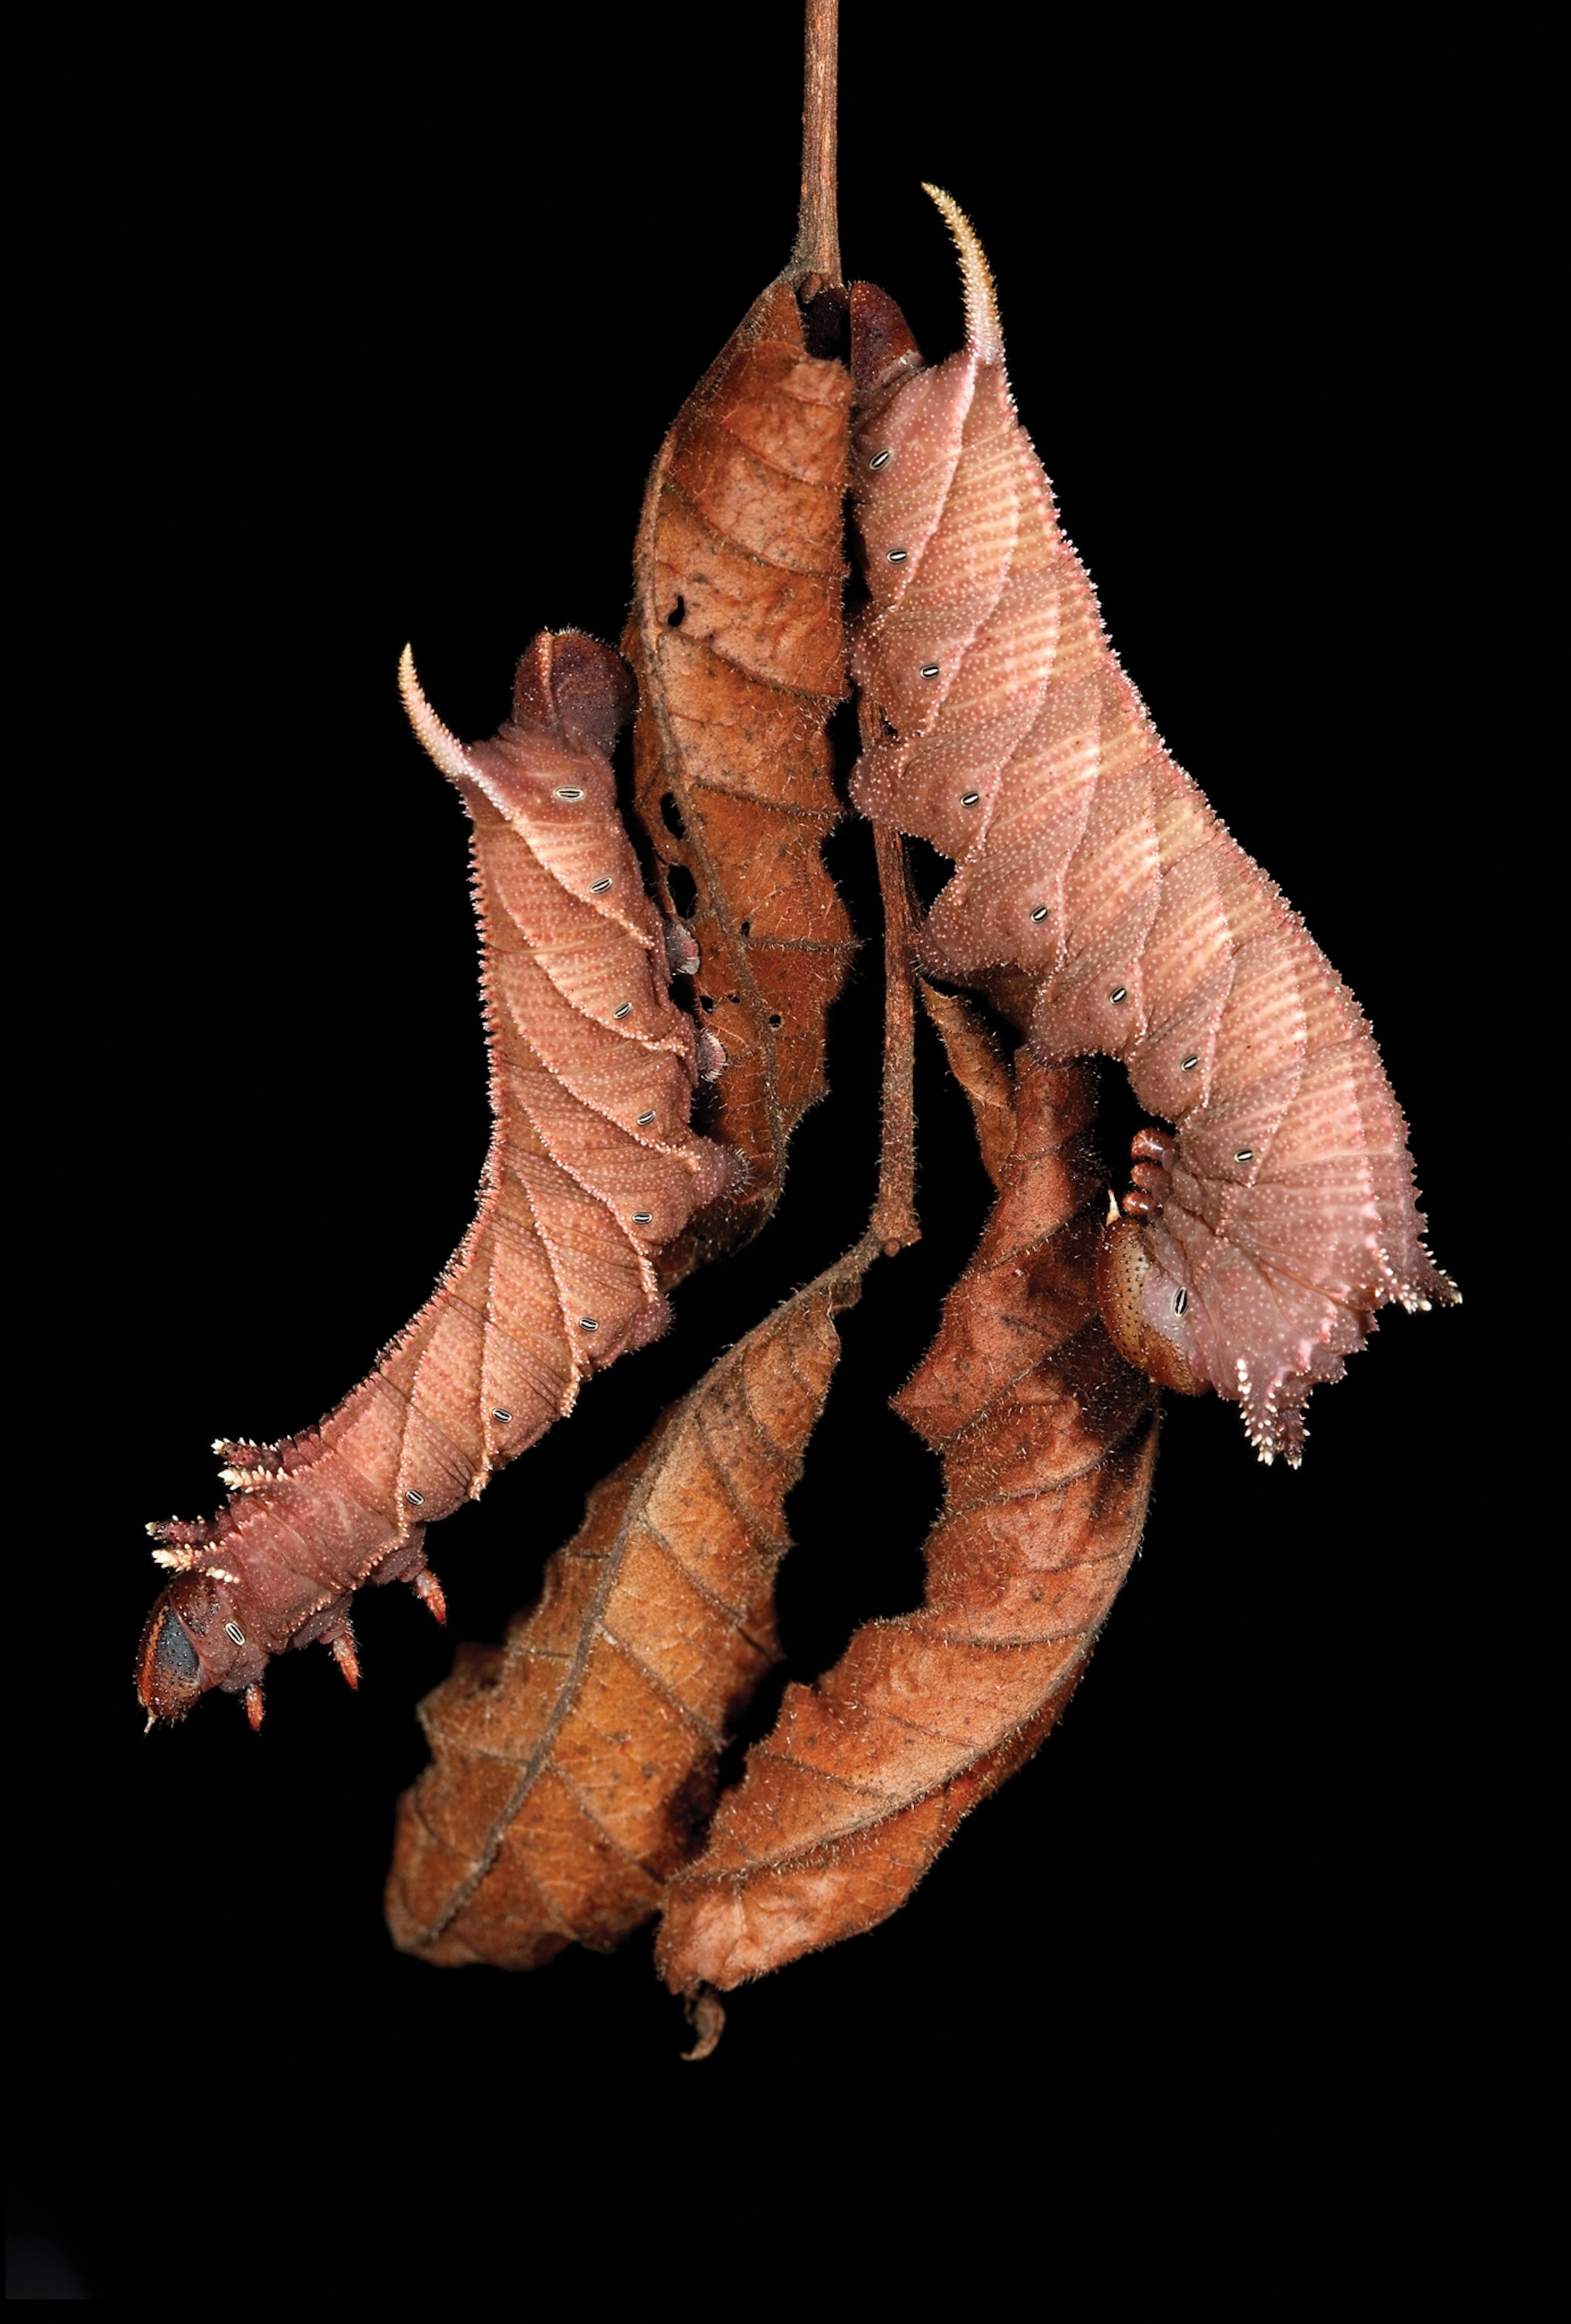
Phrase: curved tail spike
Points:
(429, 732)
(983, 333)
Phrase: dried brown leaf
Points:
(1048, 1439)
(573, 1765)
(737, 638)
(978, 1063)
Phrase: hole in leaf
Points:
(677, 614)
(777, 1018)
(684, 890)
(708, 999)
(671, 814)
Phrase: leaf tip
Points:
(705, 2013)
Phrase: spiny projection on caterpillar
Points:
(1100, 907)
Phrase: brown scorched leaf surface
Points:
(573, 1765)
(1048, 1440)
(738, 638)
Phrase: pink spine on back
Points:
(1003, 730)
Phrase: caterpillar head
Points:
(575, 684)
(1145, 1309)
(188, 1646)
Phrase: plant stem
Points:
(894, 1215)
(815, 263)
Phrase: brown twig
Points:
(815, 263)
(894, 1215)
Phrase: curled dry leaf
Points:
(1104, 906)
(978, 1063)
(737, 638)
(1048, 1440)
(592, 1168)
(572, 1765)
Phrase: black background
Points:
(367, 333)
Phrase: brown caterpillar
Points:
(1101, 902)
(592, 1168)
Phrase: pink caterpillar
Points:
(1100, 898)
(592, 1169)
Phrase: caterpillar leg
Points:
(342, 1648)
(429, 1591)
(1153, 1152)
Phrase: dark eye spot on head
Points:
(169, 1672)
(175, 1658)
(708, 999)
(777, 1018)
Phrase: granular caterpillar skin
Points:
(592, 1169)
(1103, 903)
